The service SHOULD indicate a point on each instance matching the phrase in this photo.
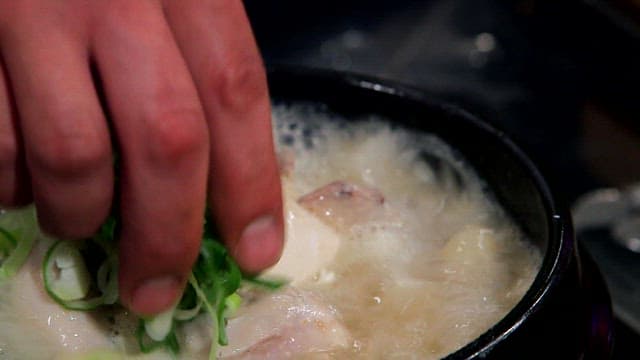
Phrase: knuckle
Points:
(241, 84)
(70, 156)
(176, 136)
(122, 19)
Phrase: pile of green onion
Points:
(212, 286)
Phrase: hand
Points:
(188, 109)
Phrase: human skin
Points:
(188, 110)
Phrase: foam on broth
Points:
(440, 263)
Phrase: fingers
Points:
(15, 187)
(217, 43)
(164, 147)
(64, 131)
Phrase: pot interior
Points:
(511, 177)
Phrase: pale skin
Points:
(187, 104)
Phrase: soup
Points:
(394, 249)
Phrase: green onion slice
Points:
(19, 229)
(159, 326)
(212, 313)
(68, 282)
(107, 279)
(188, 314)
(7, 243)
(212, 288)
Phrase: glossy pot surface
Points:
(566, 314)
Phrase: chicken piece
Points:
(472, 255)
(472, 245)
(310, 245)
(283, 325)
(342, 204)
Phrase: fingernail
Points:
(260, 245)
(155, 295)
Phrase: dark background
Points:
(561, 77)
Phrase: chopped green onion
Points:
(212, 314)
(7, 243)
(7, 237)
(213, 283)
(107, 279)
(159, 326)
(67, 280)
(188, 314)
(21, 227)
(66, 276)
(189, 306)
(232, 304)
(270, 284)
(147, 344)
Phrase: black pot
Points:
(566, 314)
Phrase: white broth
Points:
(388, 256)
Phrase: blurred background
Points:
(561, 77)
